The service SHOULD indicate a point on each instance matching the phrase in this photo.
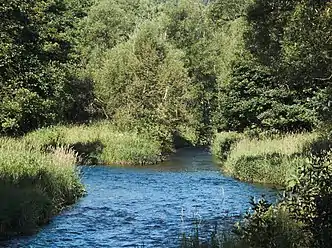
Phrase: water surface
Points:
(150, 206)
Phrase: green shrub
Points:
(267, 226)
(309, 200)
(301, 218)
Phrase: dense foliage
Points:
(160, 65)
(302, 218)
(289, 70)
(37, 52)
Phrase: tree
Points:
(189, 28)
(36, 51)
(291, 39)
(143, 84)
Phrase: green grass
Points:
(100, 143)
(223, 143)
(273, 228)
(270, 160)
(34, 185)
(38, 173)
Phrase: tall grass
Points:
(223, 143)
(34, 185)
(272, 160)
(100, 143)
(38, 173)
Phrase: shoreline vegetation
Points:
(100, 143)
(300, 165)
(34, 185)
(268, 159)
(39, 176)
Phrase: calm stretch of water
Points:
(130, 207)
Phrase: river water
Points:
(148, 206)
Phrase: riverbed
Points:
(149, 206)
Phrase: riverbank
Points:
(301, 217)
(100, 143)
(34, 185)
(148, 206)
(266, 159)
(39, 176)
(300, 164)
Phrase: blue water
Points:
(150, 206)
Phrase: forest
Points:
(129, 82)
(158, 66)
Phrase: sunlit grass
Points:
(102, 143)
(268, 159)
(34, 185)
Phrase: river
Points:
(148, 206)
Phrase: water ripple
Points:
(127, 207)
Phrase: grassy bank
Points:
(100, 143)
(269, 159)
(38, 173)
(34, 185)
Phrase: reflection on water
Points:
(150, 206)
(187, 159)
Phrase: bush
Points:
(267, 226)
(309, 201)
(302, 217)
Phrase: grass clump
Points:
(267, 159)
(271, 160)
(100, 143)
(34, 185)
